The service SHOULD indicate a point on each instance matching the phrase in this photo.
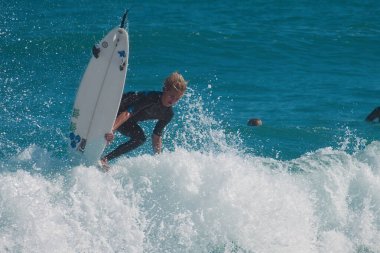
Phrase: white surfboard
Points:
(98, 97)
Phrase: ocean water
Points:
(308, 180)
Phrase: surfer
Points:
(375, 114)
(140, 106)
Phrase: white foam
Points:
(185, 201)
(197, 200)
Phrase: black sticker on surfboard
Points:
(82, 145)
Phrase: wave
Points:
(193, 201)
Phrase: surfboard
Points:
(98, 96)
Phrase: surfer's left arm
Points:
(156, 143)
(157, 134)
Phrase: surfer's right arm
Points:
(123, 117)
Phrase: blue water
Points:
(308, 180)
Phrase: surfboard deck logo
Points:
(99, 94)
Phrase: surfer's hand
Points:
(109, 137)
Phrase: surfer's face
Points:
(170, 97)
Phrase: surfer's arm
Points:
(158, 131)
(156, 143)
(123, 117)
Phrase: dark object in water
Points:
(374, 115)
(255, 122)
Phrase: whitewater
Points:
(193, 201)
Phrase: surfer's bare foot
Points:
(104, 164)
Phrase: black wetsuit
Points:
(142, 106)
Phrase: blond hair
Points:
(175, 81)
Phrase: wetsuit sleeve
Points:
(161, 124)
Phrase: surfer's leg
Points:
(137, 138)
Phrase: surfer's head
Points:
(174, 88)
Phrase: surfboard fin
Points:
(122, 66)
(96, 51)
(122, 23)
(82, 145)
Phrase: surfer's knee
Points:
(140, 139)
